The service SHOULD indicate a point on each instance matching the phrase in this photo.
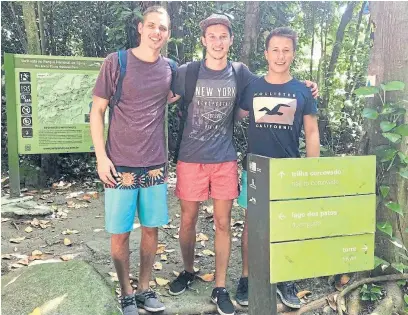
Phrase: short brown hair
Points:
(282, 32)
(156, 9)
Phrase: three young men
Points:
(133, 165)
(278, 106)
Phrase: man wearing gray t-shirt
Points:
(207, 160)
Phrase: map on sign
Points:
(64, 98)
(51, 98)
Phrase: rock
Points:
(7, 200)
(65, 288)
(28, 208)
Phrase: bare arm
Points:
(171, 97)
(240, 114)
(311, 135)
(104, 164)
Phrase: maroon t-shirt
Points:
(136, 131)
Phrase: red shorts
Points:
(198, 182)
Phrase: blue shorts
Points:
(141, 190)
(243, 196)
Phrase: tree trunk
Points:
(33, 43)
(20, 32)
(41, 27)
(350, 67)
(391, 40)
(345, 19)
(177, 31)
(312, 46)
(250, 31)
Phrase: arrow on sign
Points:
(365, 248)
(281, 174)
(281, 216)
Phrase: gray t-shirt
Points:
(136, 131)
(207, 136)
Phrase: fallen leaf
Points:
(136, 226)
(114, 276)
(169, 250)
(23, 261)
(17, 240)
(86, 197)
(152, 284)
(196, 269)
(166, 226)
(5, 219)
(344, 279)
(36, 253)
(36, 311)
(98, 230)
(44, 221)
(157, 266)
(28, 229)
(303, 294)
(238, 223)
(163, 257)
(44, 226)
(67, 242)
(160, 249)
(209, 209)
(176, 273)
(162, 282)
(208, 252)
(176, 236)
(35, 222)
(67, 257)
(201, 237)
(209, 277)
(69, 232)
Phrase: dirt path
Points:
(83, 216)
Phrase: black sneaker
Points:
(242, 292)
(287, 292)
(221, 298)
(181, 283)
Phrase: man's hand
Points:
(105, 171)
(313, 86)
(171, 98)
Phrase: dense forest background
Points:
(333, 50)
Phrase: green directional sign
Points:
(321, 257)
(321, 217)
(321, 177)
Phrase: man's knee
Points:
(118, 242)
(149, 231)
(222, 224)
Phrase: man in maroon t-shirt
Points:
(133, 163)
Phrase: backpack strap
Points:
(173, 68)
(122, 59)
(193, 68)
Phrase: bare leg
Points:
(148, 247)
(244, 247)
(120, 256)
(189, 215)
(222, 220)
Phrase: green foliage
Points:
(371, 292)
(394, 131)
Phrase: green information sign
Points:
(319, 177)
(321, 257)
(307, 217)
(321, 217)
(48, 100)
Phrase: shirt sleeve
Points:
(180, 81)
(310, 104)
(246, 99)
(104, 85)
